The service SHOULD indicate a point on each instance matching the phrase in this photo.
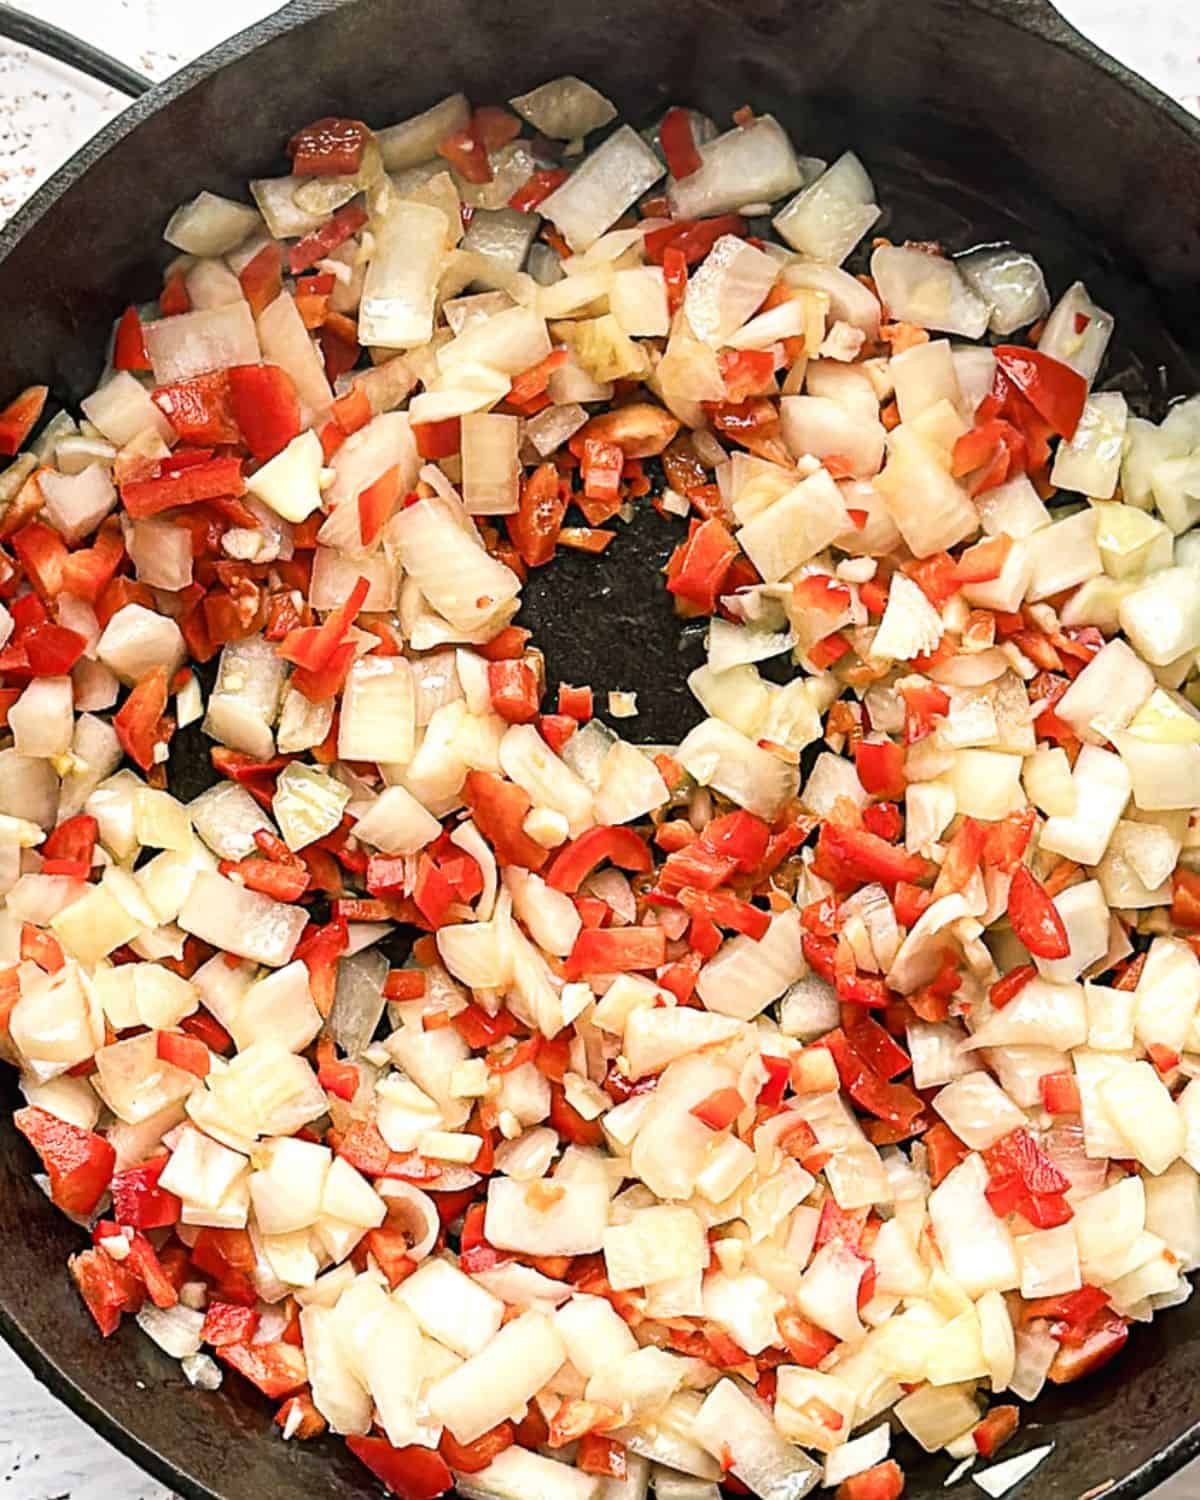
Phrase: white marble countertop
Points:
(46, 112)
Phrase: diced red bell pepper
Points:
(883, 1482)
(329, 147)
(1060, 1093)
(569, 1123)
(438, 439)
(20, 417)
(696, 866)
(211, 480)
(720, 1109)
(228, 1323)
(726, 910)
(601, 1455)
(675, 277)
(852, 857)
(107, 1287)
(377, 503)
(88, 571)
(1185, 899)
(314, 647)
(1007, 840)
(1072, 1362)
(277, 1369)
(613, 950)
(139, 721)
(888, 1101)
(41, 948)
(923, 702)
(807, 1343)
(200, 409)
(692, 238)
(575, 702)
(143, 1261)
(68, 850)
(43, 555)
(139, 1202)
(473, 1458)
(390, 1247)
(601, 469)
(319, 949)
(265, 407)
(944, 1151)
(338, 1078)
(432, 892)
(529, 387)
(227, 1256)
(318, 245)
(186, 1052)
(129, 343)
(556, 730)
(412, 1473)
(961, 862)
(534, 527)
(678, 142)
(698, 567)
(880, 767)
(513, 686)
(575, 861)
(1034, 917)
(467, 155)
(261, 279)
(1055, 390)
(78, 1162)
(1010, 985)
(537, 189)
(52, 649)
(499, 808)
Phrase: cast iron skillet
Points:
(979, 120)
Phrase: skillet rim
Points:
(1037, 18)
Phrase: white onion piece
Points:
(442, 553)
(242, 921)
(565, 109)
(1091, 461)
(599, 191)
(1010, 282)
(749, 164)
(195, 342)
(746, 976)
(727, 288)
(416, 140)
(286, 343)
(825, 220)
(490, 464)
(1081, 347)
(77, 503)
(122, 409)
(849, 300)
(929, 290)
(717, 755)
(736, 1430)
(210, 225)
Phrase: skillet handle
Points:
(28, 31)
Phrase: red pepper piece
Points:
(1034, 917)
(139, 1202)
(78, 1162)
(575, 861)
(20, 417)
(329, 147)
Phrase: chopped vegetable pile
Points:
(839, 1063)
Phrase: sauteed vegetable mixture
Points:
(740, 1103)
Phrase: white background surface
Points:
(46, 111)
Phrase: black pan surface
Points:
(979, 120)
